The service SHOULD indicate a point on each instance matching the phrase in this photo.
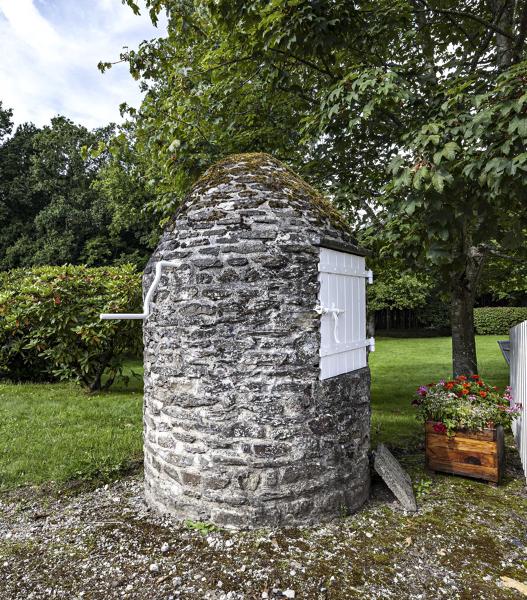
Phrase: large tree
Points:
(59, 204)
(412, 113)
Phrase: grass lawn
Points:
(399, 366)
(58, 433)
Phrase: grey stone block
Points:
(395, 477)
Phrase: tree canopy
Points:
(410, 113)
(60, 205)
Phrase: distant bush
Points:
(398, 292)
(435, 315)
(50, 327)
(497, 320)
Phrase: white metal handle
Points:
(335, 312)
(148, 297)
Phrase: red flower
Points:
(449, 385)
(461, 378)
(439, 427)
(482, 394)
(475, 376)
(57, 300)
(465, 391)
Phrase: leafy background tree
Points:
(504, 282)
(411, 113)
(6, 123)
(59, 204)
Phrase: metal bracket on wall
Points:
(148, 297)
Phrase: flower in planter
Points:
(464, 404)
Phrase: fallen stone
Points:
(395, 477)
(514, 585)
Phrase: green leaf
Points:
(410, 207)
(438, 181)
(450, 150)
(420, 176)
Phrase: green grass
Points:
(55, 432)
(399, 366)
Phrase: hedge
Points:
(50, 328)
(497, 320)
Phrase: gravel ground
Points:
(104, 543)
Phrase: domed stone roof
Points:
(260, 181)
(261, 171)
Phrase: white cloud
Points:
(49, 50)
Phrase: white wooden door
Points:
(342, 306)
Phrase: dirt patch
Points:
(104, 543)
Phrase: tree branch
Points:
(467, 15)
(229, 62)
(427, 45)
(486, 40)
(306, 62)
(494, 252)
(522, 34)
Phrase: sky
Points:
(49, 51)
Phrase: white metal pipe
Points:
(148, 297)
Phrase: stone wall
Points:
(238, 428)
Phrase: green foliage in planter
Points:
(50, 327)
(464, 403)
(497, 320)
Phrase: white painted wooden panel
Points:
(518, 382)
(342, 278)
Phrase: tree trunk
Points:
(504, 15)
(95, 385)
(464, 360)
(463, 296)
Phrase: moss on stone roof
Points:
(253, 164)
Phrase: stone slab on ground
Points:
(395, 477)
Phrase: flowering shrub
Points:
(50, 327)
(464, 403)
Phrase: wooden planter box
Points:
(479, 454)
